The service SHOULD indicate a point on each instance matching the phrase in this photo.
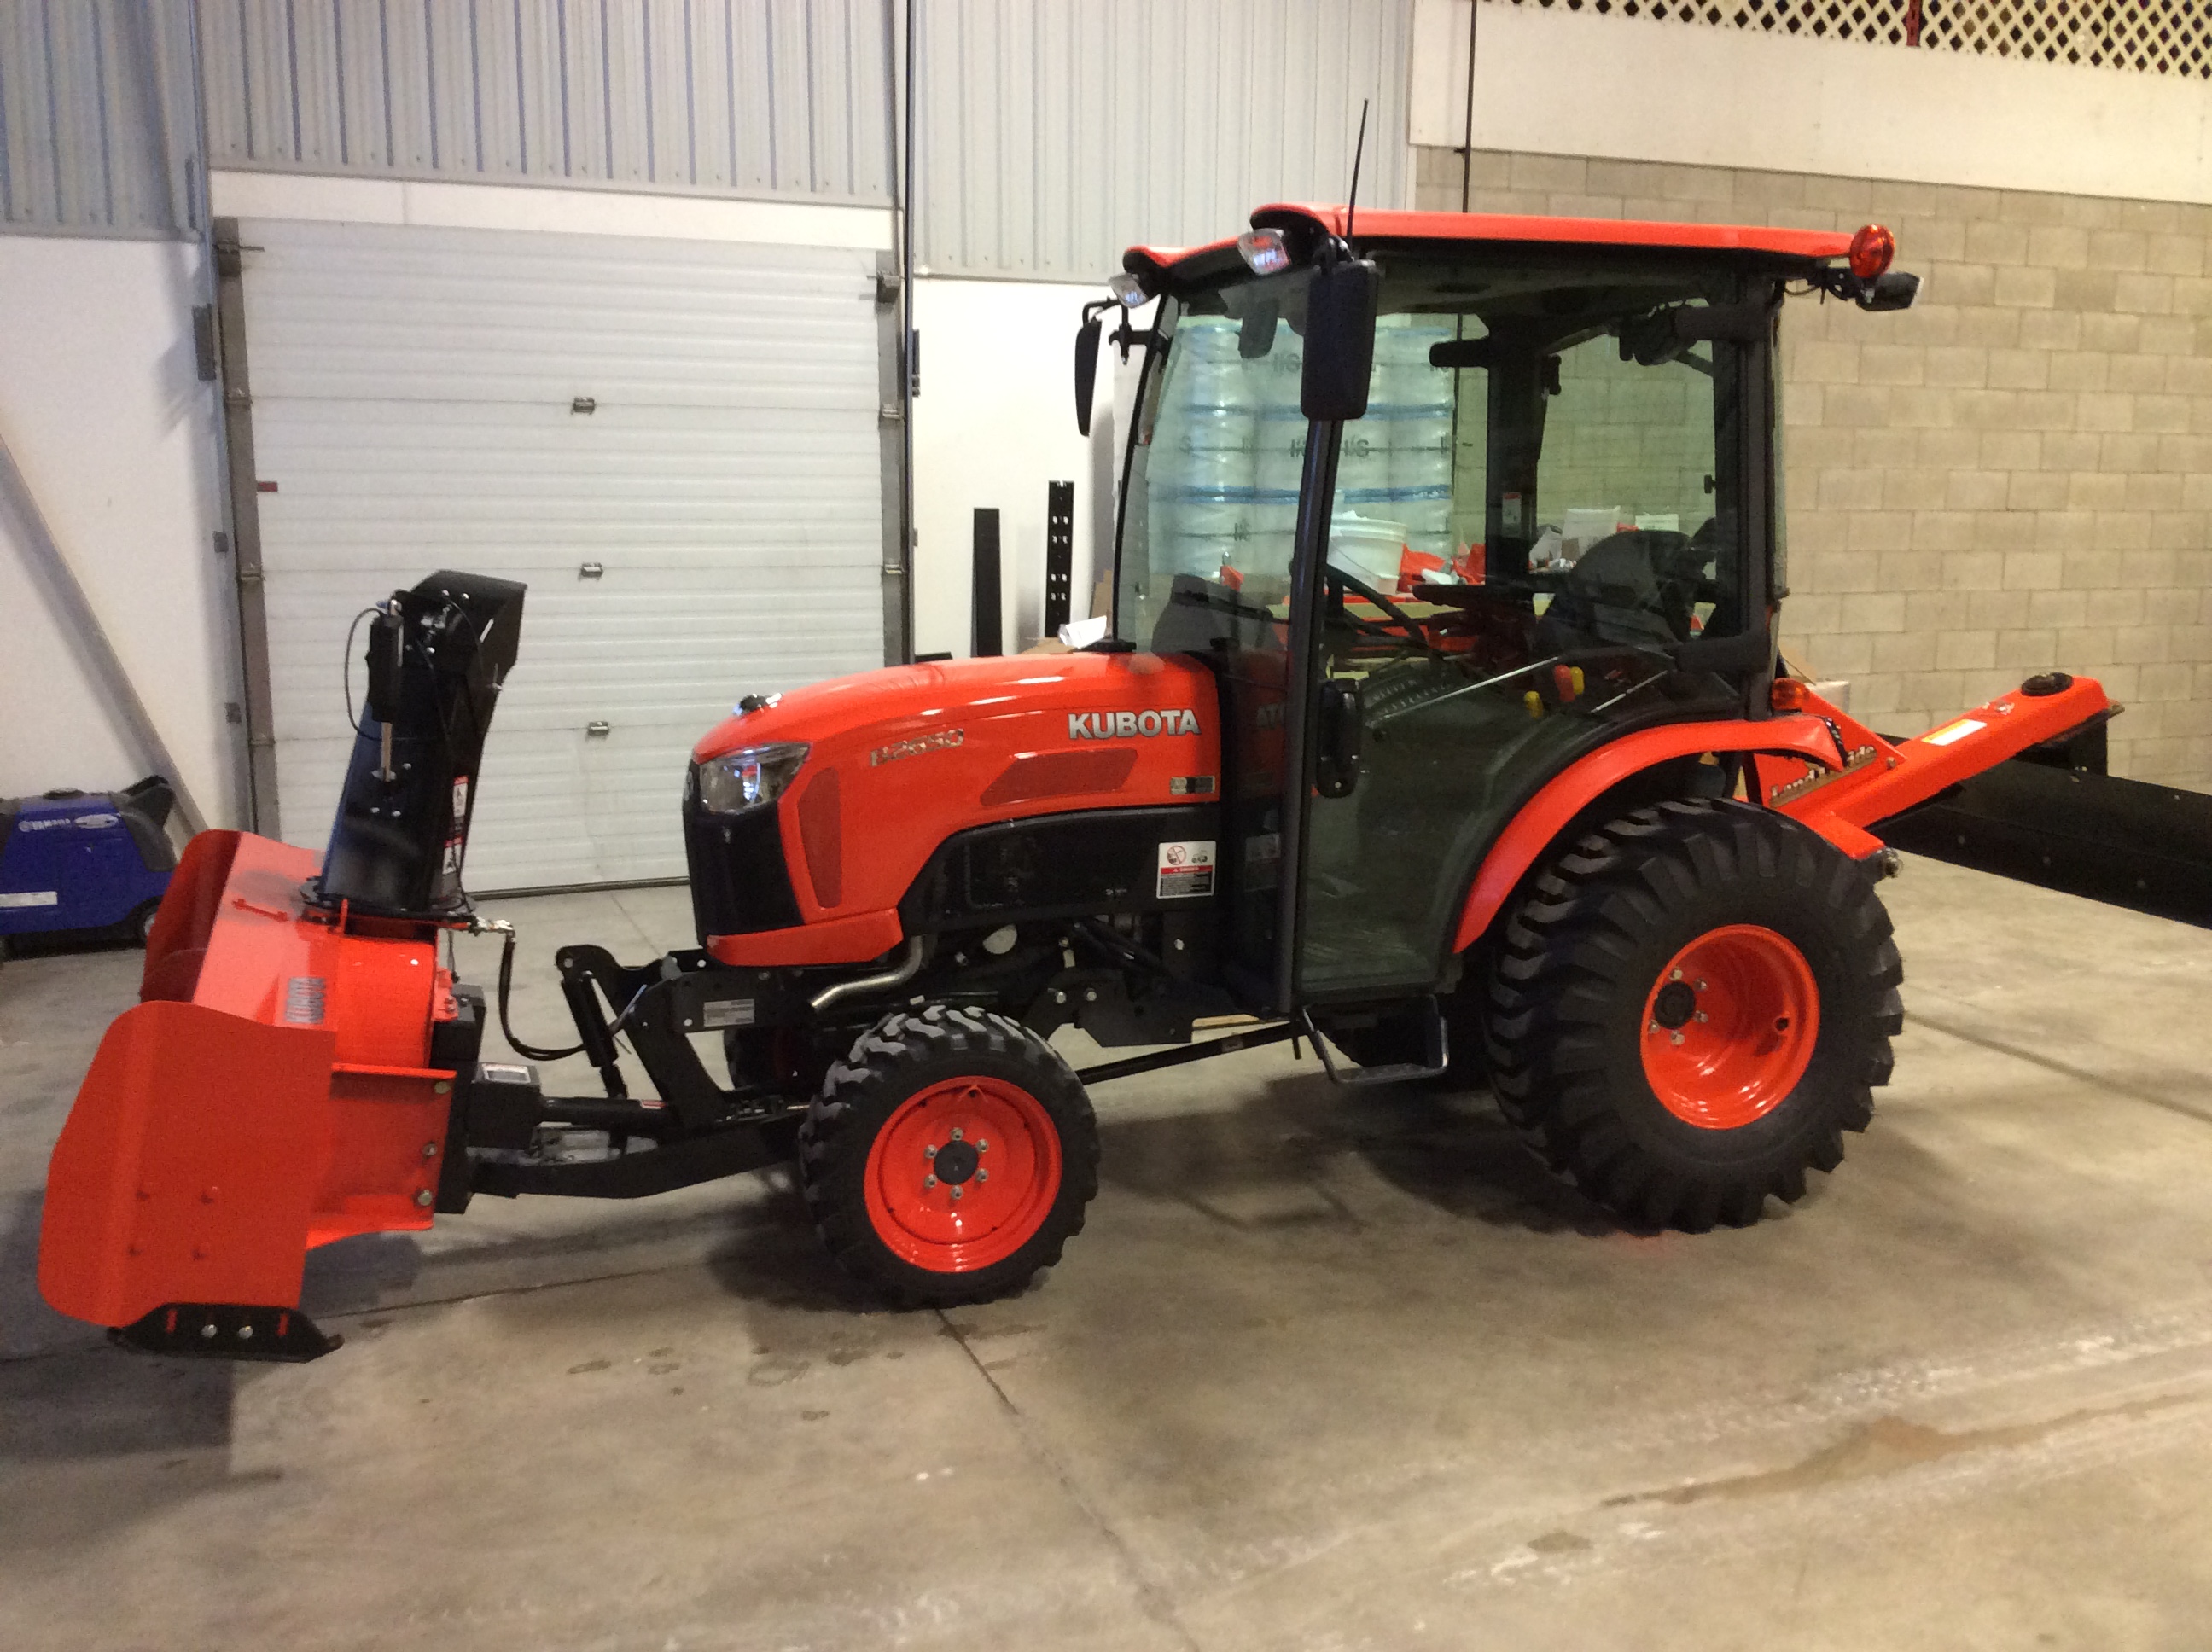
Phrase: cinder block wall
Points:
(2014, 476)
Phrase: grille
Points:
(739, 883)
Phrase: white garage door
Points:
(695, 420)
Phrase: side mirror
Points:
(1086, 370)
(1341, 306)
(1894, 291)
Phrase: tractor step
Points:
(1436, 1053)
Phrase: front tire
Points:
(1689, 1009)
(949, 1156)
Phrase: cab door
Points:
(1590, 519)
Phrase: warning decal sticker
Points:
(1186, 868)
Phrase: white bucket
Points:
(1368, 549)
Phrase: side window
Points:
(1644, 433)
(1628, 491)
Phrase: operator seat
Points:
(1631, 589)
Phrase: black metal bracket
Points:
(455, 1047)
(227, 1331)
(658, 1007)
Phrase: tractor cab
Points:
(1547, 516)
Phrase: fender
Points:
(1566, 794)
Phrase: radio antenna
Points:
(1359, 153)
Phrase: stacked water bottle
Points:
(1224, 489)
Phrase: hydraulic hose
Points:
(505, 985)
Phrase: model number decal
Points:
(943, 739)
(1127, 725)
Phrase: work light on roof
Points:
(1127, 290)
(1263, 251)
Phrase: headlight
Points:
(739, 780)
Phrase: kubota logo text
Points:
(1127, 725)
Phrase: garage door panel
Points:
(750, 484)
(412, 411)
(375, 312)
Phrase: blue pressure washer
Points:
(93, 863)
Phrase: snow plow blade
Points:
(275, 1090)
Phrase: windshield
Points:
(1212, 489)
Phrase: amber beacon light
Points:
(1872, 249)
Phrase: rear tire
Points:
(898, 1154)
(1690, 1008)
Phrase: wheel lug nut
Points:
(982, 1146)
(1673, 1038)
(956, 1193)
(1677, 975)
(929, 1181)
(929, 1152)
(955, 1133)
(1701, 1015)
(1654, 1027)
(982, 1175)
(1701, 987)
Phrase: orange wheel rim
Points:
(1729, 1026)
(962, 1174)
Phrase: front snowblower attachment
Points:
(290, 1073)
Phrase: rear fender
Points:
(1530, 837)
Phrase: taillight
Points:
(1872, 249)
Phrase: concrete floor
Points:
(1327, 1370)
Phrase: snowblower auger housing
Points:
(1446, 585)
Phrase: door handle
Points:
(597, 730)
(1336, 739)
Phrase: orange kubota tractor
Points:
(1522, 798)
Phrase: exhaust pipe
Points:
(898, 975)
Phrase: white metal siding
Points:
(412, 391)
(732, 97)
(1055, 133)
(96, 118)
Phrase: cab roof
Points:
(1175, 269)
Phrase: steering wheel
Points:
(1414, 632)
